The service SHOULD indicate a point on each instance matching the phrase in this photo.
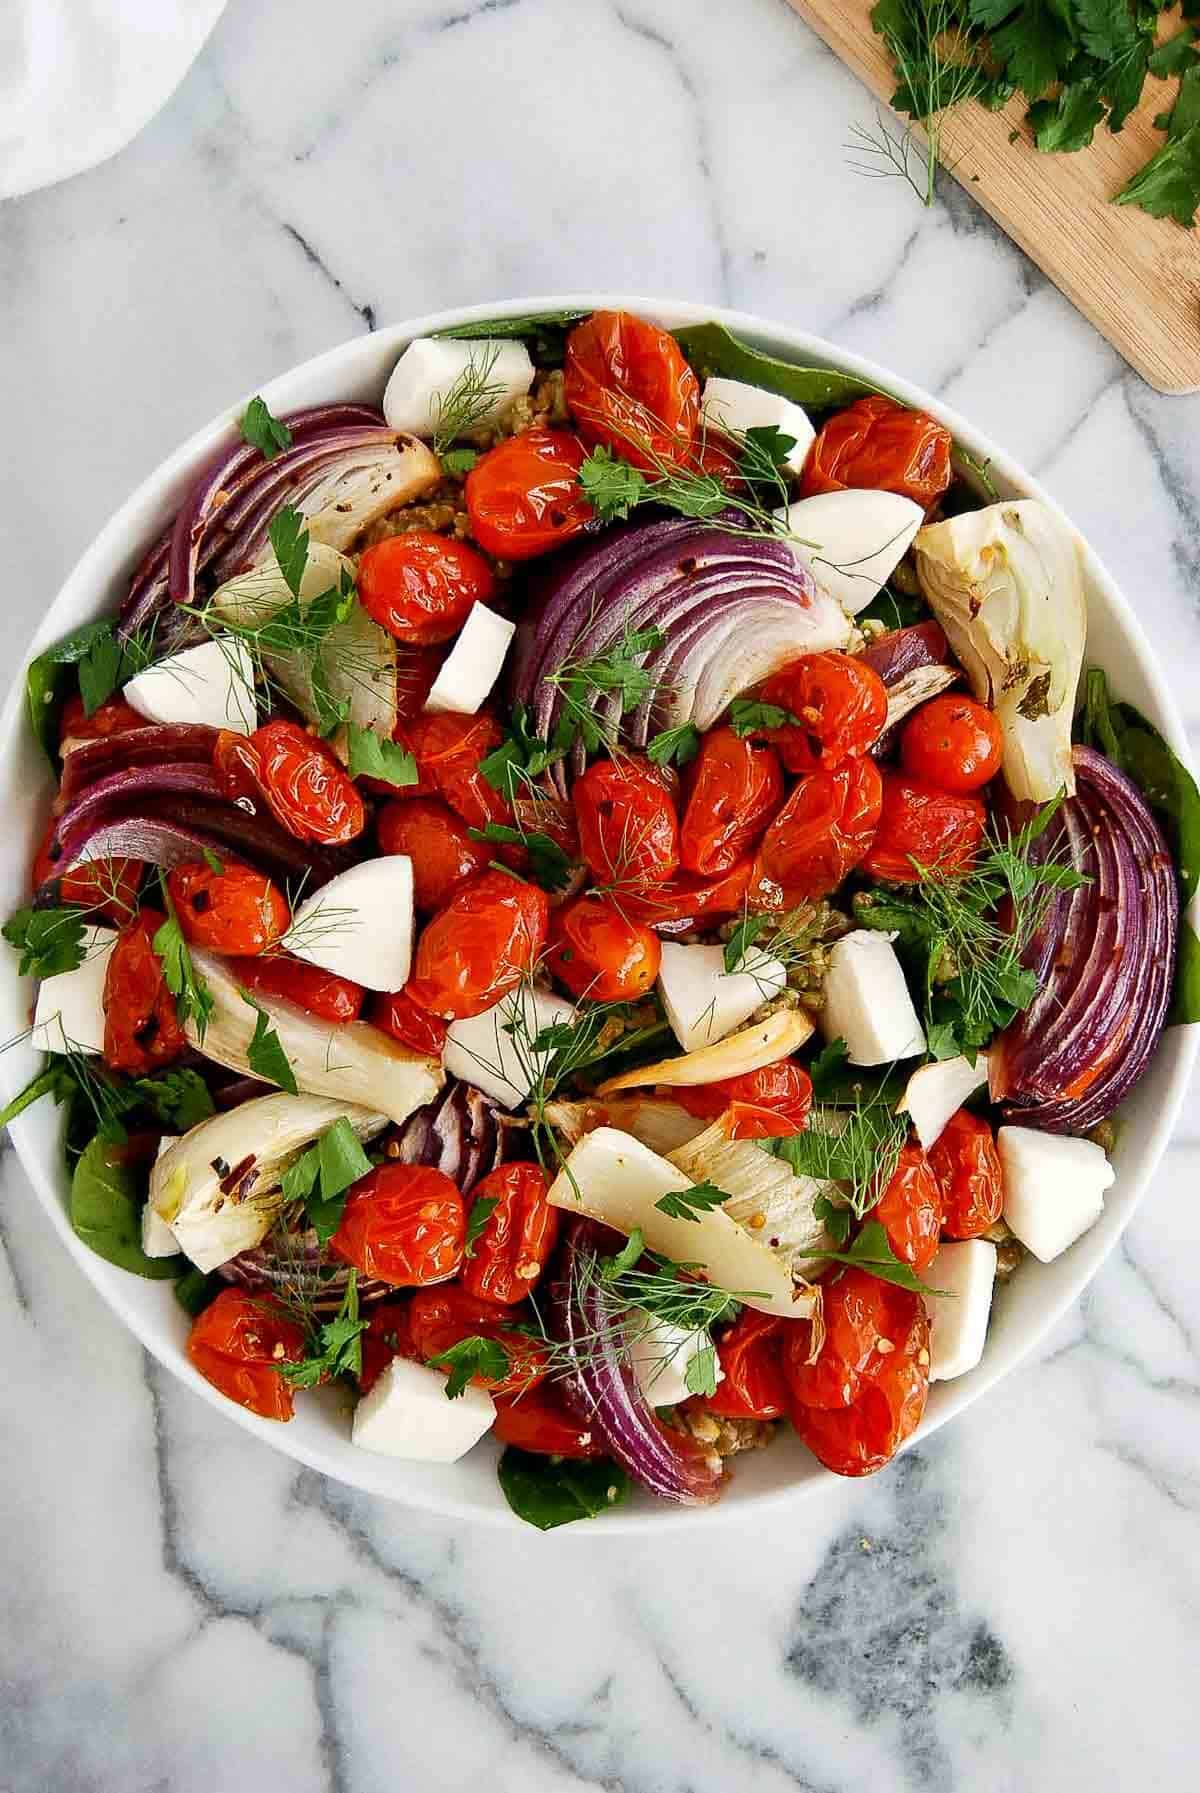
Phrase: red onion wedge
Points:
(155, 745)
(601, 1390)
(458, 1133)
(1104, 958)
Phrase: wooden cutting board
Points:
(1137, 278)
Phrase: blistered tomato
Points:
(539, 1420)
(628, 386)
(952, 743)
(507, 1257)
(840, 704)
(113, 717)
(439, 1319)
(734, 788)
(750, 1353)
(923, 832)
(407, 1023)
(305, 788)
(523, 496)
(769, 1103)
(966, 1164)
(402, 1223)
(628, 829)
(479, 946)
(910, 1209)
(597, 952)
(442, 852)
(233, 910)
(320, 993)
(861, 1438)
(141, 1028)
(448, 750)
(822, 832)
(878, 444)
(108, 887)
(683, 902)
(863, 1317)
(238, 1343)
(420, 587)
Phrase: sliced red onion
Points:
(190, 829)
(901, 651)
(458, 1133)
(155, 745)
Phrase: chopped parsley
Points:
(264, 432)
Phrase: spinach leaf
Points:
(47, 677)
(106, 1212)
(544, 333)
(712, 349)
(894, 609)
(196, 1288)
(547, 1491)
(53, 1081)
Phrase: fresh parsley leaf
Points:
(193, 998)
(871, 1251)
(765, 451)
(482, 1209)
(299, 1180)
(612, 487)
(1175, 55)
(473, 1356)
(264, 432)
(700, 1377)
(743, 937)
(50, 941)
(1169, 184)
(552, 1491)
(341, 1161)
(941, 1041)
(549, 865)
(336, 1347)
(265, 1055)
(675, 745)
(862, 1153)
(523, 757)
(372, 755)
(1068, 122)
(624, 1260)
(747, 716)
(689, 1204)
(289, 539)
(827, 1066)
(836, 1221)
(100, 673)
(179, 1100)
(459, 460)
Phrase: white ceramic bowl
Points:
(319, 1434)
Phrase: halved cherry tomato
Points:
(769, 1103)
(113, 717)
(305, 788)
(320, 993)
(966, 1164)
(822, 832)
(750, 1352)
(681, 903)
(141, 1027)
(518, 1236)
(910, 1208)
(442, 852)
(479, 946)
(628, 829)
(864, 1318)
(388, 1335)
(598, 953)
(238, 1343)
(523, 496)
(628, 386)
(442, 1318)
(420, 586)
(861, 1438)
(108, 887)
(234, 910)
(539, 1420)
(879, 444)
(448, 750)
(398, 1015)
(416, 670)
(952, 743)
(923, 832)
(404, 1223)
(734, 788)
(841, 706)
(235, 763)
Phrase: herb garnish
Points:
(372, 755)
(549, 865)
(675, 745)
(469, 401)
(747, 716)
(193, 998)
(482, 1209)
(289, 540)
(691, 1203)
(321, 1176)
(50, 941)
(265, 1054)
(552, 1491)
(522, 757)
(473, 1356)
(264, 432)
(334, 1348)
(618, 672)
(871, 1251)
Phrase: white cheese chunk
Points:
(158, 1241)
(430, 368)
(965, 1269)
(703, 1001)
(858, 538)
(473, 664)
(360, 924)
(503, 1065)
(1053, 1187)
(661, 1354)
(406, 1414)
(69, 1012)
(734, 405)
(936, 1091)
(867, 1003)
(210, 685)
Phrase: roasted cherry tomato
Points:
(448, 750)
(628, 386)
(238, 1343)
(734, 788)
(416, 670)
(114, 717)
(681, 903)
(235, 763)
(420, 587)
(910, 1209)
(769, 1103)
(879, 444)
(863, 1320)
(952, 743)
(108, 887)
(306, 789)
(518, 1236)
(479, 946)
(539, 1420)
(234, 910)
(750, 1352)
(388, 1335)
(398, 1015)
(320, 993)
(628, 829)
(599, 953)
(822, 832)
(442, 852)
(141, 1028)
(862, 1437)
(966, 1164)
(404, 1223)
(923, 832)
(441, 1318)
(523, 496)
(840, 704)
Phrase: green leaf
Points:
(289, 539)
(1185, 113)
(50, 941)
(549, 865)
(195, 1289)
(53, 1081)
(336, 1347)
(1068, 122)
(678, 745)
(712, 349)
(941, 1041)
(700, 1377)
(193, 998)
(625, 1259)
(872, 1252)
(747, 717)
(836, 1221)
(523, 757)
(179, 1100)
(459, 460)
(894, 610)
(482, 1209)
(1169, 184)
(827, 1066)
(689, 1204)
(340, 1162)
(1032, 48)
(265, 1055)
(106, 1212)
(552, 1491)
(299, 1180)
(1175, 55)
(100, 672)
(1134, 745)
(47, 677)
(473, 1356)
(612, 487)
(214, 864)
(543, 333)
(742, 939)
(264, 432)
(372, 755)
(1185, 998)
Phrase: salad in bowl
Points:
(595, 898)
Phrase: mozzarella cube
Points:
(936, 1091)
(211, 685)
(473, 664)
(660, 1355)
(1053, 1187)
(431, 367)
(735, 406)
(965, 1269)
(360, 924)
(69, 1013)
(481, 1050)
(406, 1414)
(158, 1241)
(867, 1003)
(703, 1001)
(856, 540)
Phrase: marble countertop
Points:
(1017, 1605)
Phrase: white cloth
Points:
(79, 79)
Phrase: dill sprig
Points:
(618, 676)
(332, 1347)
(471, 399)
(937, 68)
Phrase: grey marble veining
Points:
(1017, 1606)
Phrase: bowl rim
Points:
(107, 555)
